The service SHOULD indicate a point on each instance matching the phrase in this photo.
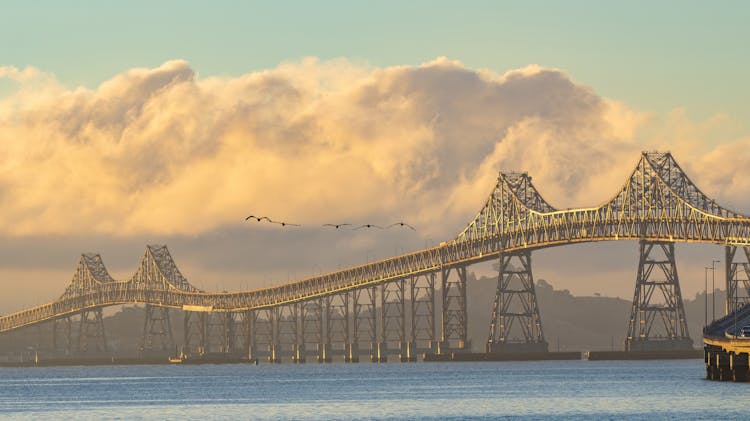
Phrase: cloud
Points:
(163, 155)
(164, 151)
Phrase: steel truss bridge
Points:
(416, 302)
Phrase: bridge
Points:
(416, 302)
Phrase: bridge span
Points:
(392, 307)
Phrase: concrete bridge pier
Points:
(381, 353)
(410, 352)
(351, 353)
(274, 355)
(374, 352)
(324, 353)
(298, 356)
(738, 364)
(405, 353)
(719, 368)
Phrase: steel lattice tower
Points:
(157, 330)
(515, 325)
(657, 297)
(737, 277)
(91, 337)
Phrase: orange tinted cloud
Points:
(165, 151)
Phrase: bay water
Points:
(479, 390)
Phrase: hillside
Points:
(577, 323)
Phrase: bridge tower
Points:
(454, 316)
(515, 324)
(657, 297)
(157, 331)
(91, 338)
(737, 277)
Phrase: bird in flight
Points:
(258, 218)
(284, 224)
(402, 224)
(337, 226)
(368, 226)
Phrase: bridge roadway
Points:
(725, 349)
(657, 203)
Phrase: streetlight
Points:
(705, 297)
(734, 314)
(713, 288)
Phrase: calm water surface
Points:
(538, 390)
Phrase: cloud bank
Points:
(164, 151)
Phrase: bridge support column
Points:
(657, 297)
(311, 335)
(422, 307)
(195, 333)
(364, 322)
(337, 336)
(91, 336)
(392, 320)
(274, 348)
(737, 277)
(157, 331)
(250, 340)
(738, 364)
(228, 333)
(515, 324)
(454, 316)
(285, 332)
(298, 347)
(261, 334)
(67, 350)
(722, 366)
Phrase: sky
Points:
(126, 124)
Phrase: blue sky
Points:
(652, 55)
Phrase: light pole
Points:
(734, 333)
(713, 288)
(705, 297)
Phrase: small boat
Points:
(179, 359)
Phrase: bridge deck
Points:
(657, 202)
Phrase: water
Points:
(537, 390)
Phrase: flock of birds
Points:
(335, 226)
